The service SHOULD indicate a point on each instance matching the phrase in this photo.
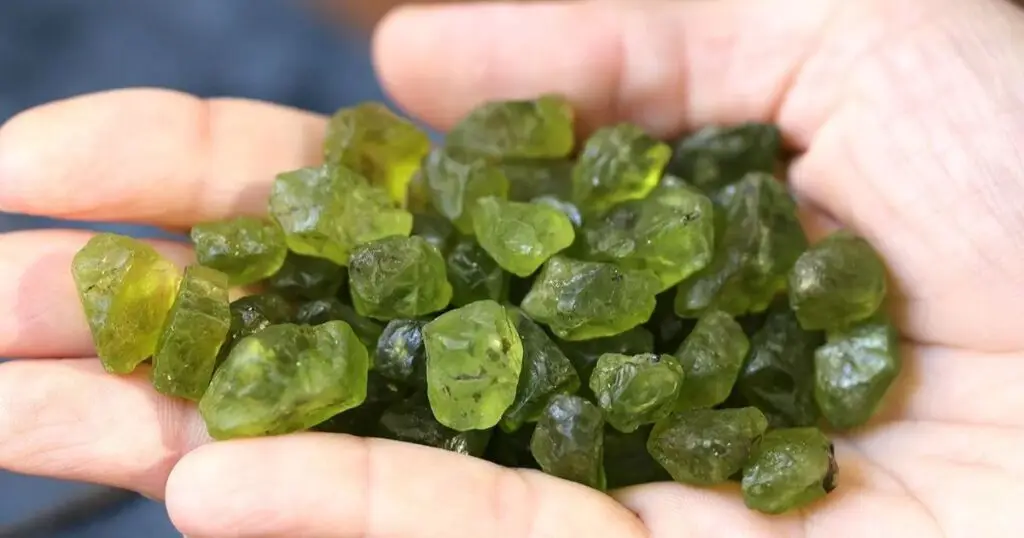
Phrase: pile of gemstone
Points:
(618, 313)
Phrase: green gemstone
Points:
(837, 282)
(634, 390)
(455, 182)
(196, 327)
(411, 421)
(584, 354)
(474, 360)
(546, 372)
(670, 233)
(761, 238)
(417, 195)
(246, 249)
(520, 236)
(854, 370)
(398, 277)
(668, 329)
(627, 461)
(569, 441)
(790, 469)
(512, 449)
(326, 212)
(126, 288)
(372, 140)
(585, 300)
(617, 164)
(712, 356)
(538, 128)
(778, 377)
(364, 419)
(286, 378)
(436, 230)
(716, 156)
(706, 446)
(252, 314)
(474, 275)
(307, 277)
(400, 353)
(537, 178)
(320, 311)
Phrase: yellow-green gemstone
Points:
(246, 249)
(791, 468)
(617, 164)
(712, 356)
(520, 236)
(456, 180)
(398, 277)
(543, 127)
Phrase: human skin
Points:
(905, 114)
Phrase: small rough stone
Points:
(706, 446)
(791, 468)
(837, 282)
(584, 354)
(401, 354)
(196, 327)
(398, 277)
(286, 378)
(412, 421)
(712, 356)
(126, 288)
(854, 370)
(307, 277)
(364, 420)
(538, 128)
(474, 360)
(456, 180)
(320, 311)
(617, 164)
(474, 275)
(718, 155)
(569, 441)
(246, 249)
(627, 461)
(584, 300)
(520, 236)
(633, 390)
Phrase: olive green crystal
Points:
(286, 378)
(670, 233)
(706, 446)
(538, 128)
(520, 236)
(126, 289)
(837, 282)
(546, 372)
(456, 180)
(375, 142)
(627, 461)
(326, 212)
(320, 311)
(569, 441)
(474, 361)
(412, 421)
(760, 238)
(582, 300)
(854, 370)
(718, 155)
(584, 354)
(474, 275)
(398, 277)
(633, 390)
(712, 356)
(246, 249)
(617, 164)
(400, 354)
(196, 327)
(791, 468)
(307, 277)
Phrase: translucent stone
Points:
(569, 441)
(538, 128)
(320, 311)
(398, 277)
(307, 277)
(246, 249)
(633, 390)
(706, 446)
(718, 155)
(712, 356)
(455, 181)
(412, 421)
(401, 354)
(790, 469)
(520, 236)
(617, 164)
(474, 275)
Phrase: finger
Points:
(663, 64)
(340, 486)
(151, 156)
(42, 315)
(70, 420)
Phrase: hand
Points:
(906, 112)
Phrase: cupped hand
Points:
(907, 117)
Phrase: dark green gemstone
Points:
(306, 277)
(364, 420)
(538, 128)
(668, 329)
(716, 156)
(398, 277)
(585, 354)
(512, 449)
(711, 357)
(633, 390)
(617, 164)
(456, 181)
(400, 354)
(536, 178)
(412, 421)
(436, 230)
(706, 446)
(569, 441)
(252, 314)
(246, 249)
(627, 461)
(323, 310)
(474, 275)
(791, 468)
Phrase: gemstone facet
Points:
(790, 469)
(398, 277)
(712, 356)
(520, 236)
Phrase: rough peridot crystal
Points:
(307, 277)
(520, 236)
(716, 156)
(634, 390)
(706, 446)
(569, 441)
(246, 249)
(126, 288)
(474, 360)
(196, 327)
(585, 300)
(474, 275)
(790, 468)
(837, 282)
(712, 356)
(617, 164)
(320, 311)
(375, 142)
(286, 378)
(398, 277)
(456, 180)
(584, 354)
(543, 127)
(401, 355)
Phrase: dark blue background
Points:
(266, 49)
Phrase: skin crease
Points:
(905, 114)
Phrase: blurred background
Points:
(304, 53)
